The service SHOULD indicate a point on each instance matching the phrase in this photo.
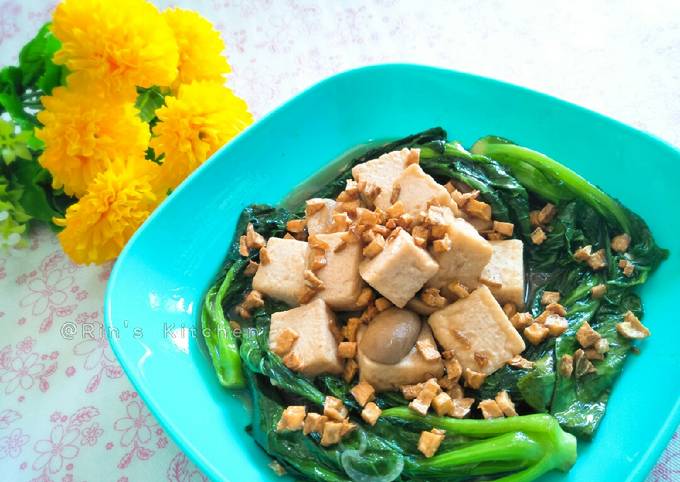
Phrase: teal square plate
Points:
(154, 294)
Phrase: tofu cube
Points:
(319, 215)
(411, 369)
(399, 270)
(506, 266)
(382, 172)
(466, 259)
(417, 190)
(478, 331)
(340, 276)
(282, 277)
(316, 346)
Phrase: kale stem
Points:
(478, 428)
(532, 473)
(544, 433)
(519, 159)
(513, 446)
(219, 337)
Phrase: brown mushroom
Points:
(390, 336)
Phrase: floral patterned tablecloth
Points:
(67, 411)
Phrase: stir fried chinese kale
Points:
(584, 253)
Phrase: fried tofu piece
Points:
(282, 278)
(507, 266)
(505, 404)
(549, 297)
(621, 243)
(536, 333)
(490, 409)
(479, 210)
(371, 413)
(454, 370)
(466, 259)
(332, 433)
(422, 402)
(538, 236)
(416, 190)
(597, 260)
(334, 409)
(428, 350)
(316, 348)
(566, 365)
(429, 442)
(461, 407)
(410, 392)
(382, 172)
(284, 341)
(292, 419)
(556, 324)
(586, 336)
(319, 213)
(351, 369)
(340, 276)
(521, 320)
(314, 423)
(400, 270)
(632, 328)
(442, 404)
(474, 379)
(411, 369)
(347, 349)
(475, 326)
(363, 393)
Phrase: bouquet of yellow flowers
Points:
(112, 106)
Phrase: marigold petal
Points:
(200, 47)
(203, 117)
(82, 136)
(117, 202)
(119, 44)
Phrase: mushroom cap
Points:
(390, 336)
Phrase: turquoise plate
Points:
(159, 279)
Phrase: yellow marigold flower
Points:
(117, 44)
(116, 204)
(82, 135)
(200, 47)
(193, 125)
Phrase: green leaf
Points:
(36, 56)
(53, 76)
(34, 143)
(10, 81)
(13, 219)
(8, 155)
(537, 386)
(12, 104)
(37, 197)
(148, 100)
